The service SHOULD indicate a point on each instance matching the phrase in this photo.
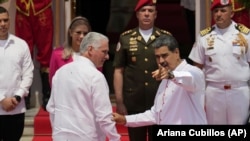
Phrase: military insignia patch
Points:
(242, 28)
(206, 31)
(209, 48)
(158, 33)
(152, 37)
(133, 44)
(165, 32)
(126, 32)
(210, 41)
(139, 38)
(133, 33)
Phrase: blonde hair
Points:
(79, 20)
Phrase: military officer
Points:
(134, 87)
(222, 51)
(241, 13)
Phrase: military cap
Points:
(220, 3)
(142, 3)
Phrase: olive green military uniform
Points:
(138, 60)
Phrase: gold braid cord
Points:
(243, 41)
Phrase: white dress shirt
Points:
(16, 71)
(178, 101)
(79, 106)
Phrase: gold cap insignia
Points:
(152, 37)
(139, 38)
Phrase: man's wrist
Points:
(170, 75)
(124, 120)
(18, 98)
(2, 98)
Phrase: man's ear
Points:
(232, 14)
(90, 49)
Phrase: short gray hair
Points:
(166, 40)
(92, 39)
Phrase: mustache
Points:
(164, 64)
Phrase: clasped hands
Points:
(9, 103)
(119, 119)
(159, 74)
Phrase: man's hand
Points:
(160, 73)
(119, 119)
(9, 103)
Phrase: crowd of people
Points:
(153, 85)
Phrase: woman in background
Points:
(62, 55)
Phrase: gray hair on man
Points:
(93, 39)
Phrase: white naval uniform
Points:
(79, 106)
(178, 101)
(225, 60)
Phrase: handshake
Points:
(119, 119)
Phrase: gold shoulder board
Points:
(206, 31)
(126, 32)
(242, 28)
(165, 32)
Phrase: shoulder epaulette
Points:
(126, 32)
(165, 32)
(206, 31)
(242, 28)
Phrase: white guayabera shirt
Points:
(79, 106)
